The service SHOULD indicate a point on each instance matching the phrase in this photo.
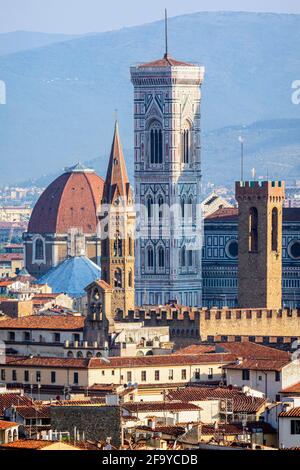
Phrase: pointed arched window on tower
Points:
(160, 208)
(186, 141)
(253, 230)
(118, 278)
(39, 249)
(156, 143)
(150, 257)
(118, 248)
(149, 208)
(275, 229)
(161, 257)
(190, 209)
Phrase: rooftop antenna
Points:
(242, 140)
(166, 32)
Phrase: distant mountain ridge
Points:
(271, 147)
(18, 41)
(61, 97)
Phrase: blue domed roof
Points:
(71, 276)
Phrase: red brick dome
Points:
(71, 201)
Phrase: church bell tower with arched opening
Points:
(167, 162)
(117, 225)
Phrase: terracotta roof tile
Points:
(230, 214)
(150, 361)
(252, 350)
(138, 407)
(237, 428)
(33, 411)
(71, 200)
(292, 388)
(55, 362)
(260, 364)
(9, 399)
(292, 413)
(40, 322)
(174, 431)
(241, 402)
(28, 444)
(11, 256)
(166, 61)
(7, 424)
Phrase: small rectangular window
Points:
(183, 374)
(11, 336)
(246, 374)
(156, 375)
(210, 373)
(56, 337)
(38, 375)
(76, 378)
(197, 374)
(129, 376)
(26, 336)
(171, 374)
(143, 376)
(53, 377)
(14, 375)
(295, 426)
(26, 375)
(2, 374)
(277, 376)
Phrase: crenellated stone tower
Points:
(260, 244)
(117, 226)
(167, 163)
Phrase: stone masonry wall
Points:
(97, 422)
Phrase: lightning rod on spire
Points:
(166, 32)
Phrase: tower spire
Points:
(116, 183)
(166, 33)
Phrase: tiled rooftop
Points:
(9, 399)
(292, 388)
(7, 425)
(160, 406)
(43, 322)
(260, 364)
(241, 402)
(34, 411)
(292, 413)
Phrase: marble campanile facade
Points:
(167, 164)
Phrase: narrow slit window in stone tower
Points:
(275, 229)
(253, 230)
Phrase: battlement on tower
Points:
(251, 189)
(226, 324)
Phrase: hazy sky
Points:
(82, 16)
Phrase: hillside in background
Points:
(61, 98)
(271, 147)
(17, 41)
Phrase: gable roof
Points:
(260, 364)
(9, 399)
(160, 406)
(44, 322)
(241, 402)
